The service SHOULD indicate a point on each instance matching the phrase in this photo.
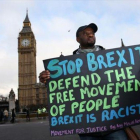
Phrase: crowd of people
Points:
(6, 116)
(41, 112)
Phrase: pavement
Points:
(38, 129)
(23, 120)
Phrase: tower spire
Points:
(26, 24)
(27, 11)
(26, 18)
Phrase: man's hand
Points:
(44, 76)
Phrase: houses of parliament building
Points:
(30, 93)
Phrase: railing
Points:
(32, 115)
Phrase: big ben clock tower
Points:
(26, 65)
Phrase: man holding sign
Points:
(85, 36)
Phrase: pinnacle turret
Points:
(26, 19)
(26, 25)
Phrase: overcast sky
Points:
(52, 19)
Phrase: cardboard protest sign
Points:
(94, 92)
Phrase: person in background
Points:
(39, 113)
(85, 36)
(13, 116)
(27, 114)
(5, 113)
(44, 112)
(1, 115)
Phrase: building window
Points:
(43, 95)
(37, 101)
(37, 90)
(37, 95)
(44, 101)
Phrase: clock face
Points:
(25, 42)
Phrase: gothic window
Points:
(43, 95)
(37, 95)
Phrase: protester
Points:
(27, 114)
(85, 36)
(1, 115)
(5, 113)
(44, 112)
(38, 113)
(13, 116)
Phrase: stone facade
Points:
(41, 96)
(27, 87)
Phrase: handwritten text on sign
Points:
(94, 92)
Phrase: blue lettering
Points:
(113, 114)
(139, 107)
(78, 118)
(53, 121)
(131, 56)
(93, 119)
(87, 118)
(66, 119)
(101, 62)
(63, 63)
(91, 61)
(138, 48)
(51, 67)
(105, 115)
(127, 111)
(79, 63)
(110, 58)
(71, 67)
(60, 120)
(119, 112)
(71, 119)
(133, 111)
(121, 59)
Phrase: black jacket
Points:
(101, 48)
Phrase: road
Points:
(34, 130)
(30, 131)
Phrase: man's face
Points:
(86, 38)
